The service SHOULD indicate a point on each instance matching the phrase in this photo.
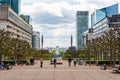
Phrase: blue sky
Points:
(56, 19)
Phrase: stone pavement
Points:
(61, 72)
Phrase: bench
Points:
(116, 68)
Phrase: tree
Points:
(61, 52)
(4, 35)
(53, 52)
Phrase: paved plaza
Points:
(61, 72)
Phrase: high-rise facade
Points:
(106, 24)
(36, 40)
(14, 4)
(99, 14)
(82, 26)
(10, 21)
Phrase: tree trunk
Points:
(111, 56)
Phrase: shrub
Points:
(11, 62)
(101, 62)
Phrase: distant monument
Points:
(72, 49)
(71, 40)
(42, 42)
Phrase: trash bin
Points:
(103, 67)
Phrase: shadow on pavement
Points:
(115, 72)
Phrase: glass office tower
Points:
(99, 14)
(14, 4)
(82, 26)
(6, 2)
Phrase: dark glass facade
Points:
(6, 2)
(14, 4)
(82, 26)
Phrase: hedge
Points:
(12, 62)
(8, 61)
(101, 62)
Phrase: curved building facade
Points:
(99, 14)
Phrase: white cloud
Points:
(55, 19)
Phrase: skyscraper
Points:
(82, 26)
(99, 14)
(14, 4)
(36, 40)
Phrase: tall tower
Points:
(71, 41)
(82, 26)
(42, 42)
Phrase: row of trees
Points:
(14, 48)
(106, 47)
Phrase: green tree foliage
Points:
(14, 47)
(61, 52)
(53, 52)
(106, 47)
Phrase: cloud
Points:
(55, 19)
(53, 13)
(29, 2)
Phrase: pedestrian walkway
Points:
(61, 72)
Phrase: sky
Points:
(56, 19)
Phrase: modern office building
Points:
(99, 14)
(12, 22)
(26, 18)
(87, 35)
(82, 26)
(106, 24)
(36, 40)
(14, 4)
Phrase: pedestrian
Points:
(15, 62)
(69, 61)
(55, 61)
(41, 62)
(75, 62)
(0, 65)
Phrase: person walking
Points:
(0, 65)
(69, 61)
(41, 62)
(75, 62)
(55, 61)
